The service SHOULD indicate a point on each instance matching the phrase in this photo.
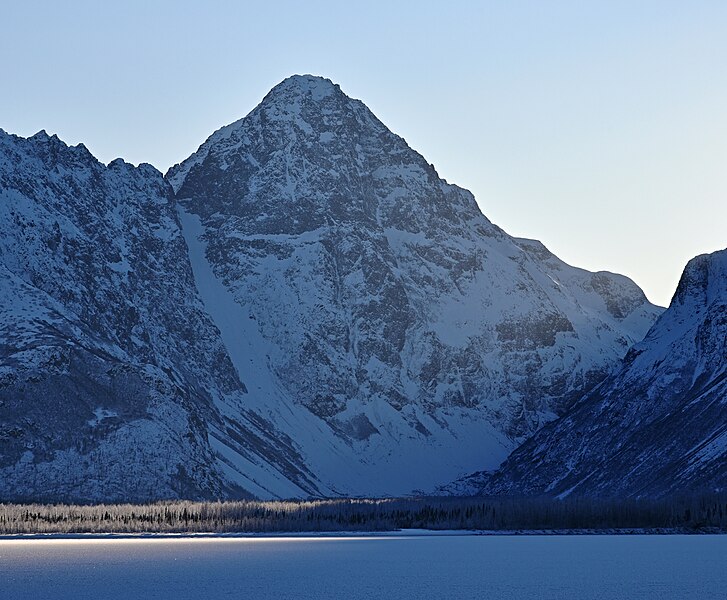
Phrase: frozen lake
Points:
(498, 567)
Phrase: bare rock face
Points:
(378, 318)
(658, 425)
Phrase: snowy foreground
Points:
(371, 566)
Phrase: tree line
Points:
(685, 513)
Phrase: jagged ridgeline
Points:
(113, 377)
(301, 308)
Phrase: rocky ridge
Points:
(113, 378)
(657, 426)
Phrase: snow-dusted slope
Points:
(658, 425)
(378, 318)
(114, 383)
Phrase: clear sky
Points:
(598, 127)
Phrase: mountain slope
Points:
(656, 426)
(378, 318)
(114, 383)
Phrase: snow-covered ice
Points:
(508, 567)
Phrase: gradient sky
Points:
(597, 127)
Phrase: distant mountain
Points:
(377, 317)
(657, 426)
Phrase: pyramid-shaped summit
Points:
(308, 154)
(377, 318)
(282, 103)
(296, 85)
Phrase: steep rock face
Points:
(658, 425)
(378, 318)
(113, 380)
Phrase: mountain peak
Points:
(302, 85)
(44, 137)
(704, 275)
(308, 111)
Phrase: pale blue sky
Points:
(599, 128)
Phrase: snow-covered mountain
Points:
(315, 312)
(114, 382)
(378, 319)
(658, 425)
